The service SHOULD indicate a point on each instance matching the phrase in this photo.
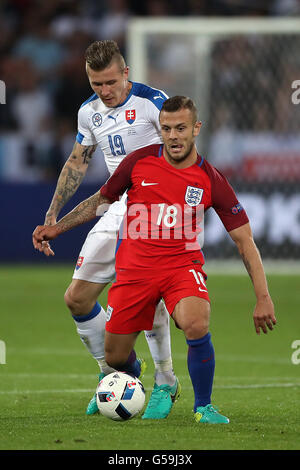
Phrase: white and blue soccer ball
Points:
(120, 396)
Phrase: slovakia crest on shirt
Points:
(193, 196)
(79, 262)
(130, 115)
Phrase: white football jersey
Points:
(127, 127)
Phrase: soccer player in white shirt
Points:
(121, 116)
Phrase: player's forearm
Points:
(67, 184)
(70, 179)
(253, 263)
(249, 253)
(84, 212)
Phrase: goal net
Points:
(244, 76)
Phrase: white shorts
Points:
(96, 261)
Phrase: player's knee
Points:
(115, 355)
(196, 328)
(115, 359)
(75, 301)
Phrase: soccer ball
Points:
(120, 396)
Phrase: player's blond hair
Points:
(175, 103)
(100, 54)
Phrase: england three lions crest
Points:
(193, 196)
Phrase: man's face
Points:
(178, 130)
(110, 84)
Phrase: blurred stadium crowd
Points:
(41, 62)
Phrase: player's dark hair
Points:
(175, 103)
(100, 54)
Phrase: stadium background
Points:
(250, 125)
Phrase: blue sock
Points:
(132, 365)
(92, 314)
(201, 366)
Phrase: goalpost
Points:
(242, 74)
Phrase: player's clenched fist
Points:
(40, 237)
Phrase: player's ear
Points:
(126, 72)
(197, 128)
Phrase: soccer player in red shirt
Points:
(158, 254)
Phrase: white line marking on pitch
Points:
(88, 390)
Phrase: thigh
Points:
(96, 261)
(80, 291)
(184, 282)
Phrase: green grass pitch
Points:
(48, 376)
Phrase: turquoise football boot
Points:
(162, 400)
(209, 414)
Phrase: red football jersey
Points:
(165, 208)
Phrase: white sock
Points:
(91, 330)
(159, 343)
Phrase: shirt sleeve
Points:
(225, 202)
(120, 181)
(154, 104)
(84, 135)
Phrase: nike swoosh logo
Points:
(147, 184)
(158, 96)
(208, 359)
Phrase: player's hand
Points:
(46, 248)
(40, 237)
(264, 315)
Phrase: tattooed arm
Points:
(84, 212)
(69, 179)
(264, 316)
(68, 182)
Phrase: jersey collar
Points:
(128, 96)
